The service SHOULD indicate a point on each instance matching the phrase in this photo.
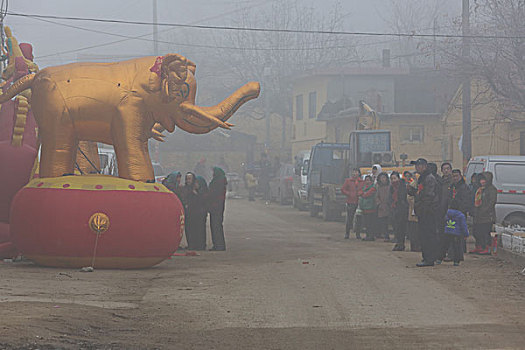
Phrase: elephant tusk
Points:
(158, 136)
(196, 111)
(156, 132)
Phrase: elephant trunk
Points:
(18, 86)
(218, 114)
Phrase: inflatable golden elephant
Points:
(121, 104)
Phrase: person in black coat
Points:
(460, 192)
(399, 206)
(198, 210)
(195, 213)
(426, 206)
(216, 204)
(459, 198)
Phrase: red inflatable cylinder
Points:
(56, 222)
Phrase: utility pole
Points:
(466, 144)
(435, 43)
(266, 78)
(155, 53)
(155, 30)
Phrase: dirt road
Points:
(287, 281)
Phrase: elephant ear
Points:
(173, 73)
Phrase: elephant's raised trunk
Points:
(206, 119)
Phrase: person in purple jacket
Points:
(456, 231)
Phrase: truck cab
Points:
(330, 164)
(326, 174)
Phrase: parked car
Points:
(159, 172)
(234, 182)
(281, 184)
(300, 181)
(509, 179)
(108, 160)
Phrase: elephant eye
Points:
(185, 90)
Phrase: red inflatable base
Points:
(7, 249)
(56, 222)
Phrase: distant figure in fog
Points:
(367, 204)
(201, 169)
(251, 184)
(399, 205)
(216, 204)
(265, 175)
(351, 189)
(383, 205)
(223, 165)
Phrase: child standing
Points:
(456, 231)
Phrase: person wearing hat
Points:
(426, 205)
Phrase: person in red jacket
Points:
(351, 188)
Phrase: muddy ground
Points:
(287, 281)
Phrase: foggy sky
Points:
(52, 39)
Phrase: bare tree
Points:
(274, 58)
(497, 51)
(416, 17)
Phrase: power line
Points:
(142, 38)
(179, 44)
(268, 30)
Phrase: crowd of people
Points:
(200, 199)
(430, 208)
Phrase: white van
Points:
(509, 179)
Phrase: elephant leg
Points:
(59, 149)
(130, 135)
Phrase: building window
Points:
(299, 107)
(411, 134)
(312, 105)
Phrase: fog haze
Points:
(52, 41)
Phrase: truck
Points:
(326, 172)
(330, 164)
